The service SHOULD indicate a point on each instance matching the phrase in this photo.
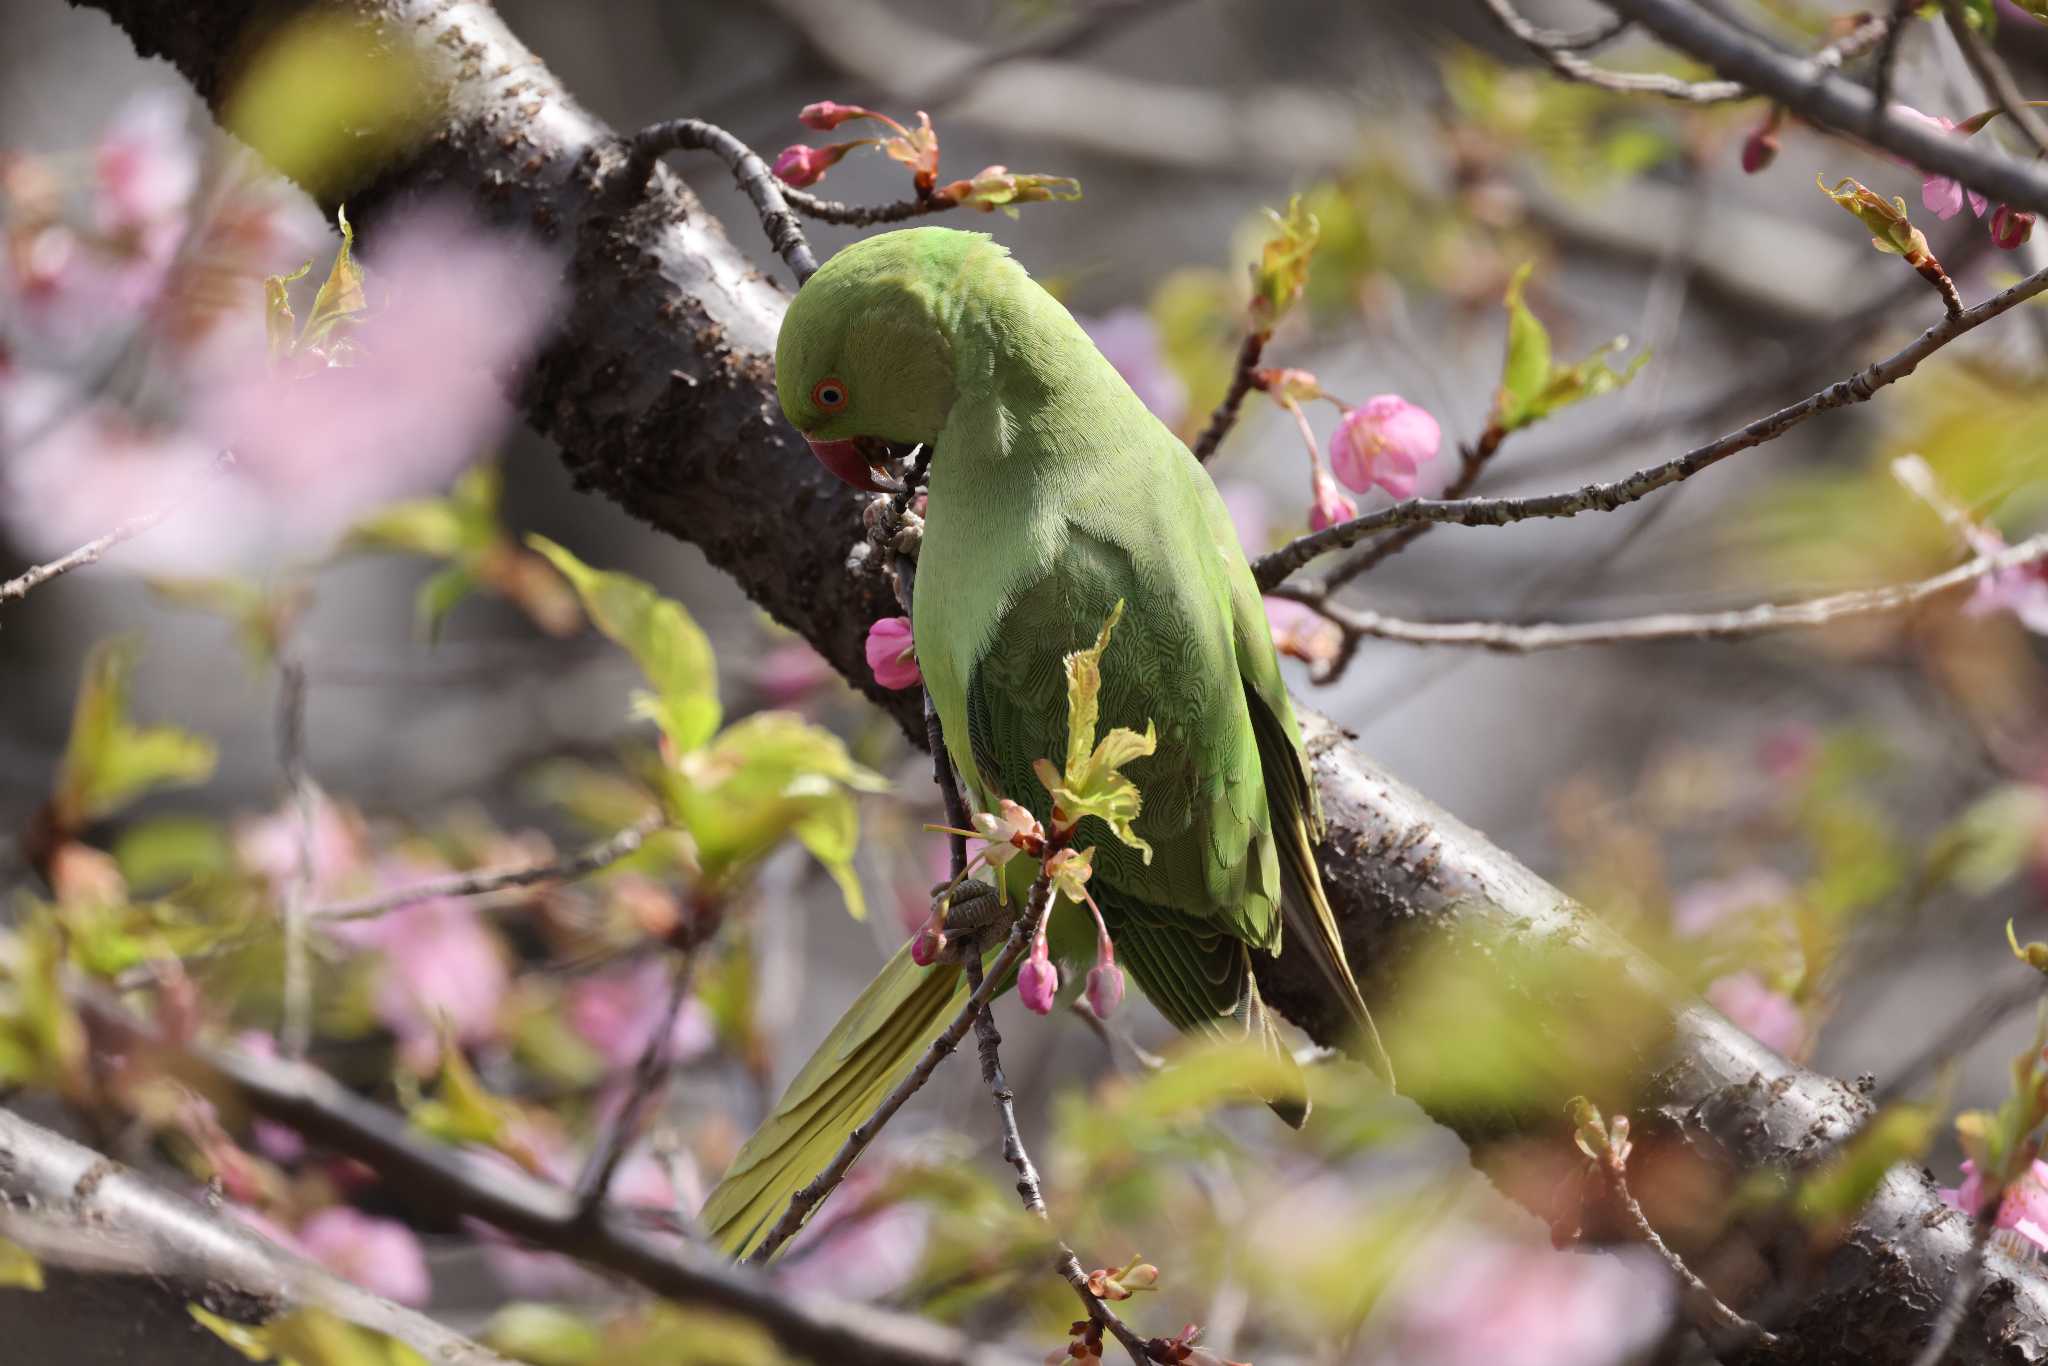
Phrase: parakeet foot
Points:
(976, 919)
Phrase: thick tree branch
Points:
(1827, 99)
(72, 1207)
(659, 391)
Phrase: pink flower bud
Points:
(2010, 227)
(926, 948)
(892, 653)
(825, 115)
(1385, 441)
(1105, 989)
(802, 165)
(1759, 149)
(1330, 507)
(1038, 981)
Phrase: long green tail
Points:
(878, 1039)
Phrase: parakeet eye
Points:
(829, 395)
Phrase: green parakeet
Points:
(1055, 494)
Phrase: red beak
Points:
(846, 460)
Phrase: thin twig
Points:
(758, 183)
(1701, 1301)
(1737, 624)
(297, 1032)
(1888, 52)
(1605, 497)
(1963, 1034)
(863, 215)
(1242, 381)
(1996, 77)
(650, 1079)
(989, 1043)
(1968, 1281)
(89, 553)
(857, 1142)
(1568, 63)
(603, 854)
(92, 551)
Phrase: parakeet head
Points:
(866, 350)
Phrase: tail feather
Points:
(866, 1053)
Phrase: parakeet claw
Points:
(975, 919)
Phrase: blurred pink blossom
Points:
(278, 1142)
(1129, 341)
(146, 165)
(640, 1182)
(2023, 1208)
(1788, 751)
(1385, 441)
(790, 673)
(380, 1255)
(892, 654)
(1300, 632)
(452, 309)
(1469, 1300)
(615, 1012)
(269, 845)
(1246, 504)
(2021, 590)
(1769, 1017)
(441, 961)
(1704, 906)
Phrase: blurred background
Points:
(1826, 829)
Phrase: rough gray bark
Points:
(659, 393)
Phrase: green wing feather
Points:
(878, 1039)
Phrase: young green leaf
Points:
(1532, 384)
(672, 650)
(1281, 271)
(1093, 783)
(341, 299)
(109, 761)
(19, 1269)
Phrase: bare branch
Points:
(1743, 623)
(304, 799)
(1605, 497)
(452, 1182)
(1825, 99)
(1705, 1308)
(89, 553)
(72, 1207)
(1569, 64)
(650, 1079)
(761, 187)
(598, 856)
(1996, 77)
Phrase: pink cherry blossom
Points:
(799, 164)
(1385, 441)
(1038, 981)
(2023, 1208)
(1943, 196)
(825, 115)
(1472, 1300)
(1129, 341)
(380, 1255)
(892, 654)
(1300, 632)
(792, 673)
(1769, 1017)
(2021, 590)
(2010, 227)
(1330, 506)
(615, 1012)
